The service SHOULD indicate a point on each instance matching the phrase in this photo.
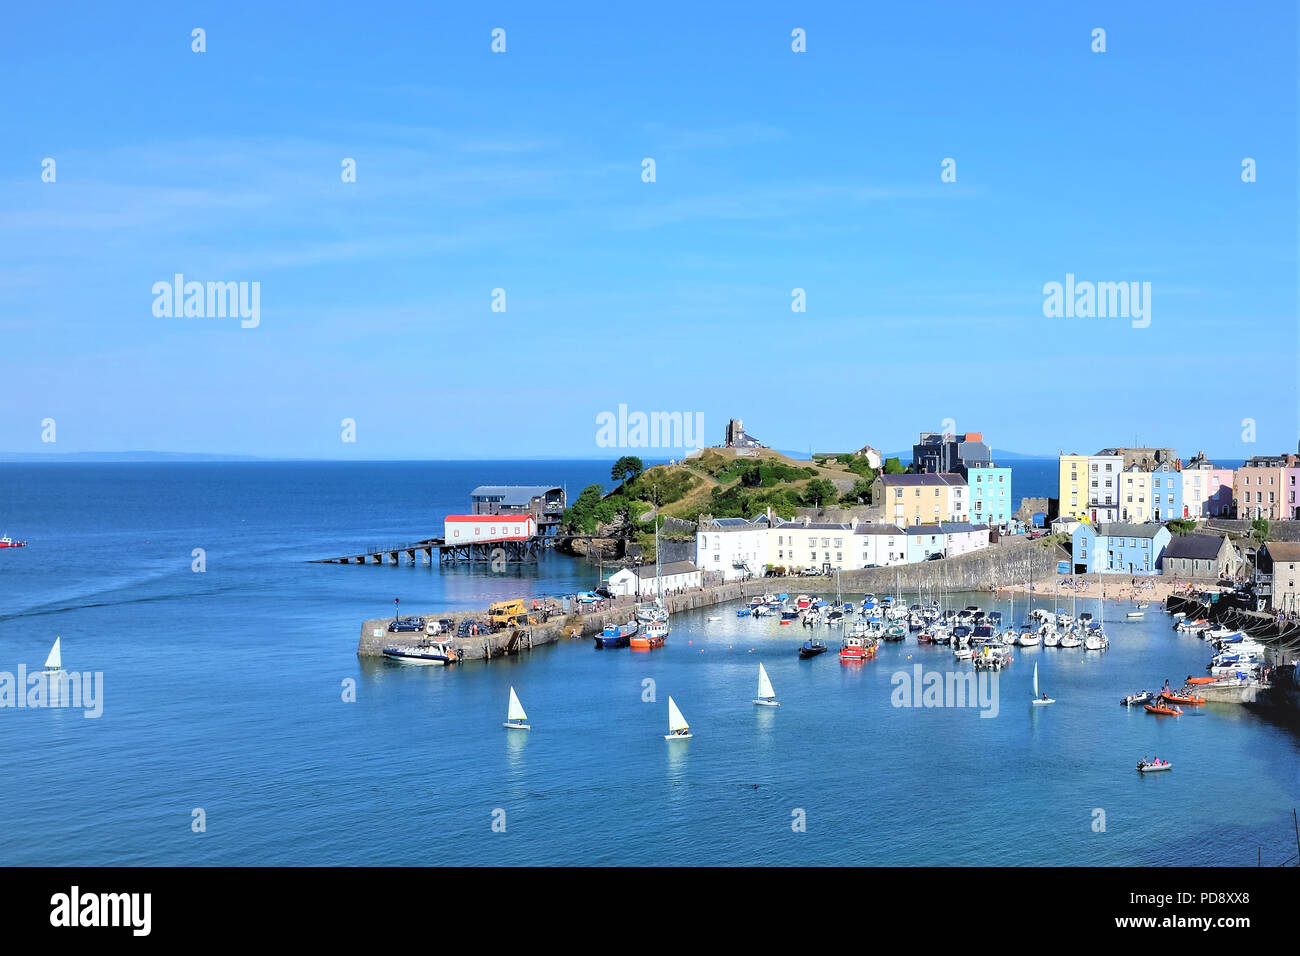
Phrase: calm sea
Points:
(223, 692)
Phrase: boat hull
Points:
(685, 736)
(509, 726)
(413, 657)
(1143, 768)
(766, 703)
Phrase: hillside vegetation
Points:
(717, 482)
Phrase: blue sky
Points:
(522, 171)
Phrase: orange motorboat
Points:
(1203, 680)
(1176, 698)
(644, 641)
(1163, 709)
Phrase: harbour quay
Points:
(575, 625)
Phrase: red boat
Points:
(856, 649)
(8, 542)
(1164, 710)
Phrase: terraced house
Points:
(1207, 488)
(1118, 548)
(1263, 486)
(921, 499)
(989, 488)
(1072, 486)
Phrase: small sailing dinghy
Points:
(766, 695)
(1040, 700)
(516, 719)
(678, 728)
(55, 661)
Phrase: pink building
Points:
(1263, 487)
(1207, 489)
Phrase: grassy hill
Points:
(723, 483)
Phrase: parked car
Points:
(407, 624)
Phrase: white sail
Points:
(676, 721)
(1035, 678)
(765, 691)
(55, 661)
(516, 711)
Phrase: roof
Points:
(1118, 529)
(513, 494)
(817, 526)
(1284, 550)
(1203, 547)
(960, 527)
(490, 519)
(925, 479)
(673, 567)
(878, 529)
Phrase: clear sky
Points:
(775, 170)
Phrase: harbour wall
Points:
(375, 635)
(1009, 562)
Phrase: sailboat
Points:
(655, 631)
(766, 695)
(1040, 700)
(678, 728)
(55, 661)
(515, 716)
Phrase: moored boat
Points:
(652, 635)
(8, 542)
(428, 653)
(856, 649)
(811, 648)
(1174, 697)
(1133, 700)
(616, 635)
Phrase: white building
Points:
(880, 545)
(641, 581)
(733, 547)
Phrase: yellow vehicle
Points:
(505, 613)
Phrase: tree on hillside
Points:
(626, 469)
(894, 467)
(818, 491)
(1259, 528)
(1181, 526)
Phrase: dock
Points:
(576, 625)
(510, 550)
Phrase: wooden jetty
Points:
(512, 551)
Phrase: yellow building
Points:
(1135, 501)
(1072, 486)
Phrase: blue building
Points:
(990, 494)
(1117, 548)
(1166, 492)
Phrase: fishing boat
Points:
(54, 662)
(1153, 766)
(766, 695)
(1163, 709)
(678, 728)
(616, 635)
(649, 613)
(652, 635)
(811, 648)
(1133, 700)
(854, 650)
(516, 719)
(435, 653)
(1040, 700)
(8, 542)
